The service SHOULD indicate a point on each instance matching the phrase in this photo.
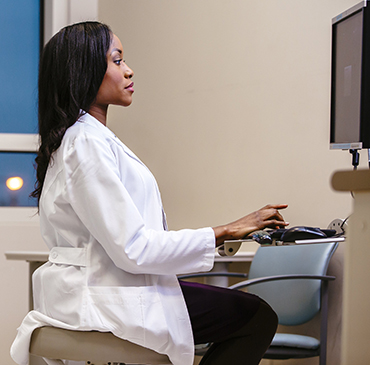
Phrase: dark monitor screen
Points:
(349, 122)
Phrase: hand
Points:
(266, 217)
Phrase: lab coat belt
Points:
(68, 256)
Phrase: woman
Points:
(113, 263)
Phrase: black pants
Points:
(240, 325)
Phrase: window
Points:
(20, 25)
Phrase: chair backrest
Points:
(295, 301)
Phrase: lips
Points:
(130, 87)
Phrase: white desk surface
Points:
(42, 256)
(37, 256)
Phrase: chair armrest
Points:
(265, 279)
(209, 274)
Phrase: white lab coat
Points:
(112, 264)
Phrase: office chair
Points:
(93, 347)
(292, 279)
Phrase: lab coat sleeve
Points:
(101, 201)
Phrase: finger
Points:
(270, 214)
(273, 223)
(278, 216)
(277, 206)
(275, 211)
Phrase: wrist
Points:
(222, 233)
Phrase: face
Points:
(117, 86)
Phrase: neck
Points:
(100, 113)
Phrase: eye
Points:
(118, 62)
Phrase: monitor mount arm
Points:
(355, 158)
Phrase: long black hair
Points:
(72, 67)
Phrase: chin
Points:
(127, 103)
(124, 103)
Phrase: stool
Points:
(93, 347)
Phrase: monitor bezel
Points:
(364, 140)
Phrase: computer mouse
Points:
(261, 237)
(302, 233)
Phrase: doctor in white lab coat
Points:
(112, 263)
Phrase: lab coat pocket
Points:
(133, 313)
(57, 292)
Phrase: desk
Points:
(36, 259)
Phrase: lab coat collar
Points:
(89, 119)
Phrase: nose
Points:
(128, 73)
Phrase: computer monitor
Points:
(350, 79)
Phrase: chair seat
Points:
(94, 346)
(289, 346)
(299, 341)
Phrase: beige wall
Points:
(231, 108)
(230, 112)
